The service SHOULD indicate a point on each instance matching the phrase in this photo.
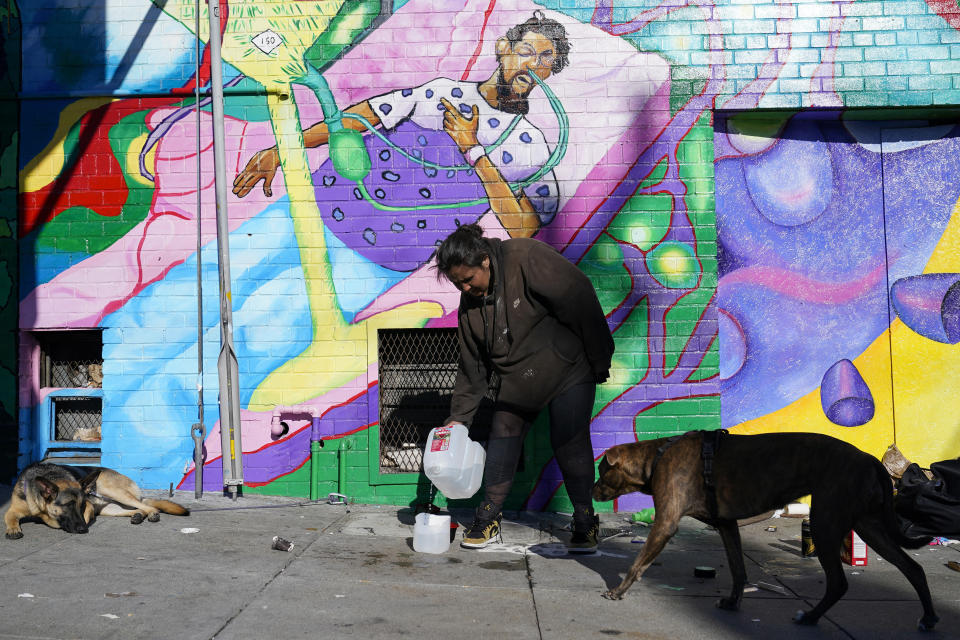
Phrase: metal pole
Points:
(227, 369)
(198, 430)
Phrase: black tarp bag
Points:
(930, 507)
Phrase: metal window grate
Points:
(77, 419)
(417, 371)
(71, 359)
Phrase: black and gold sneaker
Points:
(585, 537)
(486, 527)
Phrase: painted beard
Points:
(508, 100)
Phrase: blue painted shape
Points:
(930, 305)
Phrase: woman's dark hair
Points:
(466, 246)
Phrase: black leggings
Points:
(569, 437)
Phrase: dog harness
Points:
(711, 442)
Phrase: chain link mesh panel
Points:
(417, 371)
(77, 418)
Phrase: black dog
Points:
(753, 474)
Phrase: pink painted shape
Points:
(799, 287)
(82, 295)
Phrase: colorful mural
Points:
(348, 129)
(839, 287)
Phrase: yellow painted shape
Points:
(133, 161)
(806, 413)
(928, 388)
(338, 353)
(925, 375)
(48, 164)
(298, 23)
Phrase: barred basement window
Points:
(417, 371)
(77, 418)
(71, 359)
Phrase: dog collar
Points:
(661, 450)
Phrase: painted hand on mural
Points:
(262, 166)
(461, 127)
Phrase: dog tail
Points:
(168, 506)
(891, 520)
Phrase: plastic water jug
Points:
(453, 462)
(431, 533)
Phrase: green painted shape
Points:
(645, 218)
(674, 265)
(643, 221)
(340, 33)
(767, 124)
(251, 106)
(685, 82)
(710, 365)
(83, 230)
(603, 264)
(8, 166)
(72, 231)
(678, 416)
(349, 155)
(631, 360)
(6, 282)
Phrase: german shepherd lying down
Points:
(70, 498)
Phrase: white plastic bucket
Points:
(453, 462)
(431, 533)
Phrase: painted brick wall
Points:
(108, 206)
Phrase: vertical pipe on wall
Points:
(315, 445)
(227, 367)
(342, 466)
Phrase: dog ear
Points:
(612, 456)
(48, 490)
(633, 463)
(89, 482)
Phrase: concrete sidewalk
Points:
(353, 573)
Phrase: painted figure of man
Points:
(420, 188)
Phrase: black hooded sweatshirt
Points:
(540, 327)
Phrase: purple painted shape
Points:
(845, 396)
(930, 305)
(287, 455)
(633, 502)
(401, 240)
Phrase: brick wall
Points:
(115, 246)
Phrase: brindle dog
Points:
(753, 474)
(69, 498)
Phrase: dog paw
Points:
(728, 604)
(613, 595)
(136, 518)
(927, 623)
(154, 517)
(14, 535)
(801, 617)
